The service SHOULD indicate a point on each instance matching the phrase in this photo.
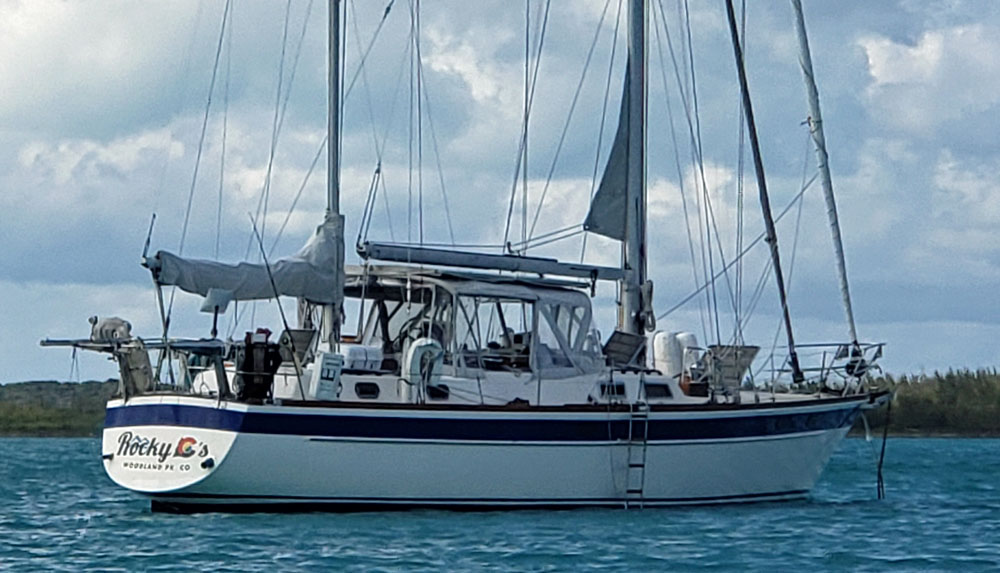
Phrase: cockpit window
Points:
(492, 334)
(395, 320)
(564, 345)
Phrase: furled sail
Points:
(315, 273)
(607, 209)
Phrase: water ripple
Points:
(61, 513)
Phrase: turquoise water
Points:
(58, 512)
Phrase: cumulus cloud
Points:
(449, 55)
(105, 105)
(967, 192)
(945, 75)
(86, 161)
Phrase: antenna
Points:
(149, 237)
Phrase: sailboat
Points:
(478, 380)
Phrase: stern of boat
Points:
(147, 453)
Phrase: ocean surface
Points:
(59, 512)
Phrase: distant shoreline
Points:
(954, 404)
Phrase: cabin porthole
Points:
(438, 392)
(366, 390)
(616, 390)
(658, 391)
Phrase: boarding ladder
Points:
(638, 440)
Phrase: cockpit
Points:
(481, 323)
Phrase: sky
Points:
(103, 123)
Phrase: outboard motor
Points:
(256, 365)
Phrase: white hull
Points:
(351, 457)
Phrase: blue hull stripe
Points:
(476, 429)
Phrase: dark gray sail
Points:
(607, 209)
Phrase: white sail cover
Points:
(315, 273)
(607, 209)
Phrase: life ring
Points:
(423, 363)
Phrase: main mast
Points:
(635, 310)
(765, 202)
(822, 159)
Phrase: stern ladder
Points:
(638, 440)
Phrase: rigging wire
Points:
(562, 237)
(368, 49)
(694, 129)
(265, 193)
(298, 194)
(420, 128)
(740, 167)
(604, 115)
(362, 72)
(524, 127)
(181, 99)
(366, 213)
(713, 226)
(565, 130)
(683, 80)
(437, 159)
(758, 292)
(741, 254)
(201, 145)
(532, 240)
(280, 110)
(225, 129)
(795, 243)
(319, 152)
(707, 226)
(676, 147)
(524, 131)
(385, 136)
(707, 201)
(74, 367)
(409, 175)
(284, 103)
(527, 83)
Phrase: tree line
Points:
(957, 402)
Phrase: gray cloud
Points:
(105, 105)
